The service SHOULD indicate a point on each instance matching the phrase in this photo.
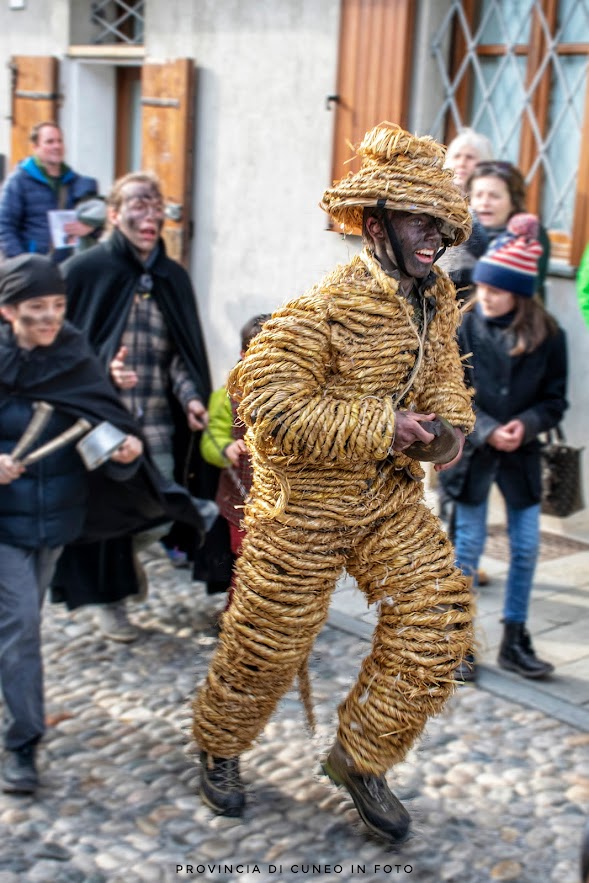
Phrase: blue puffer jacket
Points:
(26, 198)
(47, 504)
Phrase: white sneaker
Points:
(114, 623)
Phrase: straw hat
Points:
(400, 172)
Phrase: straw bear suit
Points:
(318, 391)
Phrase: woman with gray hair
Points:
(462, 155)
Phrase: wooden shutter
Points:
(374, 72)
(34, 99)
(167, 132)
(580, 236)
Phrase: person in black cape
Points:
(138, 309)
(44, 488)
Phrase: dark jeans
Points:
(24, 577)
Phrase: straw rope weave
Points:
(317, 390)
(404, 173)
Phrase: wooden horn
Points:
(79, 428)
(38, 422)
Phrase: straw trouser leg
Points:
(283, 584)
(424, 628)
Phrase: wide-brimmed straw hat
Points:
(404, 173)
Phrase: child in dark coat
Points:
(517, 366)
(222, 445)
(43, 505)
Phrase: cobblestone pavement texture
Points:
(496, 791)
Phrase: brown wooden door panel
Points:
(374, 72)
(34, 99)
(167, 132)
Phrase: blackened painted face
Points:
(420, 240)
(140, 216)
(36, 321)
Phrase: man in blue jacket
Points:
(40, 184)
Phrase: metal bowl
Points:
(98, 445)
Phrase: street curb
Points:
(492, 680)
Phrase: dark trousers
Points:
(24, 577)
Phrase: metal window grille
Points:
(118, 21)
(504, 97)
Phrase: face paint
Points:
(140, 217)
(419, 237)
(37, 321)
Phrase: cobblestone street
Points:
(497, 791)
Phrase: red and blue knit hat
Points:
(511, 263)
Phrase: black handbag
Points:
(562, 483)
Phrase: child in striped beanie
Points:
(516, 362)
(511, 264)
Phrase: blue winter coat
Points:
(46, 506)
(26, 198)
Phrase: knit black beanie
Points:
(27, 276)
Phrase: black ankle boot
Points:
(467, 670)
(516, 652)
(221, 787)
(380, 810)
(19, 772)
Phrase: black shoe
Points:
(516, 653)
(19, 772)
(467, 670)
(379, 809)
(221, 787)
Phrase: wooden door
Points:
(167, 133)
(33, 99)
(374, 73)
(128, 111)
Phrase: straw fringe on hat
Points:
(400, 172)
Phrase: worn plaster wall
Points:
(262, 151)
(562, 303)
(41, 28)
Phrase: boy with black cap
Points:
(42, 506)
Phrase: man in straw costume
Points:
(334, 391)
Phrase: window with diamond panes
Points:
(518, 73)
(118, 21)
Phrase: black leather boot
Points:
(516, 652)
(379, 809)
(19, 771)
(221, 787)
(467, 670)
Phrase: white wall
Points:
(39, 29)
(88, 118)
(562, 302)
(263, 152)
